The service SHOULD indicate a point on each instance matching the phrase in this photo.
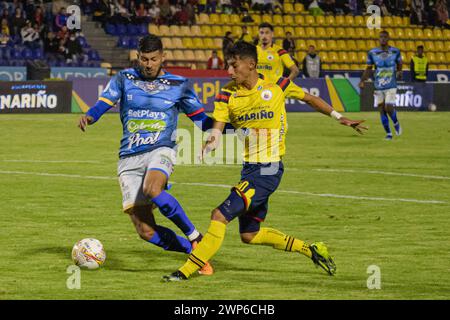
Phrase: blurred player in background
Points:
(150, 101)
(257, 107)
(388, 68)
(272, 59)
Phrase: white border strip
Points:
(384, 172)
(327, 195)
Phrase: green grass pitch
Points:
(51, 199)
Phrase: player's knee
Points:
(145, 234)
(247, 237)
(217, 215)
(152, 190)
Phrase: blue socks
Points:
(168, 240)
(385, 122)
(170, 208)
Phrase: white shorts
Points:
(387, 96)
(132, 170)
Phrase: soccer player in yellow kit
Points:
(272, 58)
(256, 107)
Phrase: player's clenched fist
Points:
(84, 121)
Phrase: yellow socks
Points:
(209, 245)
(280, 241)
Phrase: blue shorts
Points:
(249, 199)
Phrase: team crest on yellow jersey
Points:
(266, 95)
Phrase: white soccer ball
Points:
(88, 253)
(432, 107)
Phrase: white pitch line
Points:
(328, 195)
(50, 161)
(385, 173)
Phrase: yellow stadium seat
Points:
(164, 31)
(360, 33)
(278, 20)
(320, 20)
(362, 57)
(225, 19)
(371, 33)
(310, 32)
(300, 32)
(442, 67)
(267, 18)
(333, 56)
(440, 57)
(203, 18)
(288, 20)
(206, 30)
(439, 46)
(340, 20)
(447, 57)
(288, 8)
(437, 34)
(214, 18)
(432, 57)
(345, 66)
(174, 30)
(350, 21)
(334, 66)
(299, 20)
(217, 31)
(325, 66)
(195, 31)
(300, 55)
(323, 56)
(429, 46)
(301, 44)
(132, 56)
(341, 33)
(360, 45)
(399, 33)
(409, 33)
(178, 55)
(153, 29)
(428, 34)
(353, 57)
(256, 19)
(289, 29)
(234, 19)
(409, 56)
(405, 21)
(168, 54)
(189, 55)
(418, 34)
(298, 7)
(200, 55)
(359, 21)
(355, 66)
(312, 43)
(321, 45)
(331, 33)
(198, 43)
(392, 43)
(351, 45)
(398, 21)
(310, 21)
(279, 42)
(409, 45)
(185, 31)
(387, 21)
(278, 32)
(217, 43)
(401, 45)
(177, 43)
(209, 43)
(167, 43)
(350, 33)
(188, 43)
(330, 21)
(236, 30)
(446, 34)
(343, 56)
(331, 45)
(447, 45)
(321, 33)
(371, 44)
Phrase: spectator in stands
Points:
(418, 15)
(214, 62)
(141, 14)
(4, 34)
(211, 6)
(121, 12)
(29, 8)
(154, 13)
(227, 43)
(180, 16)
(63, 33)
(201, 6)
(190, 11)
(74, 50)
(101, 12)
(342, 6)
(441, 14)
(247, 18)
(51, 47)
(327, 6)
(289, 44)
(17, 22)
(61, 19)
(165, 13)
(226, 6)
(38, 17)
(312, 65)
(30, 36)
(245, 36)
(258, 5)
(383, 7)
(419, 66)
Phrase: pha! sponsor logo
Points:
(134, 126)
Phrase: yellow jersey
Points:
(271, 62)
(260, 114)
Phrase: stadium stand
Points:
(341, 40)
(32, 30)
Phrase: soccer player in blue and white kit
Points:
(150, 101)
(388, 67)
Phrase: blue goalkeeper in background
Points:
(388, 68)
(150, 101)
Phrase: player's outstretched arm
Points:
(214, 138)
(320, 105)
(84, 121)
(94, 113)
